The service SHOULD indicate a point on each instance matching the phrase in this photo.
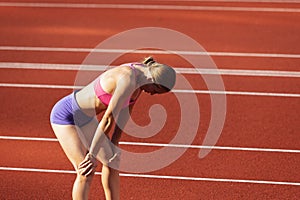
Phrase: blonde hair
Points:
(163, 75)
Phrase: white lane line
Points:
(211, 147)
(236, 1)
(195, 53)
(237, 93)
(233, 72)
(28, 138)
(238, 72)
(158, 176)
(43, 86)
(267, 94)
(165, 145)
(149, 7)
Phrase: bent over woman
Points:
(84, 139)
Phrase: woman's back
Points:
(88, 98)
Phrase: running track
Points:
(255, 46)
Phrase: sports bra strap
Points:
(105, 97)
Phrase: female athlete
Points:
(85, 139)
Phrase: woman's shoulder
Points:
(122, 73)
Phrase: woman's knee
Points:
(85, 179)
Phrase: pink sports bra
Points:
(106, 97)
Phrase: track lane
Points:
(250, 63)
(140, 188)
(246, 83)
(268, 122)
(223, 31)
(219, 164)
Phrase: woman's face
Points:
(153, 89)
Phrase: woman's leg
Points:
(111, 183)
(72, 145)
(110, 177)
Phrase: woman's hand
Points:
(88, 165)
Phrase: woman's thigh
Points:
(75, 141)
(86, 133)
(71, 143)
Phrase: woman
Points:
(85, 140)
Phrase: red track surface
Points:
(251, 121)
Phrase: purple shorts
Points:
(67, 112)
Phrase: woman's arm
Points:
(101, 147)
(120, 124)
(122, 120)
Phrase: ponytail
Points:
(163, 75)
(149, 61)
